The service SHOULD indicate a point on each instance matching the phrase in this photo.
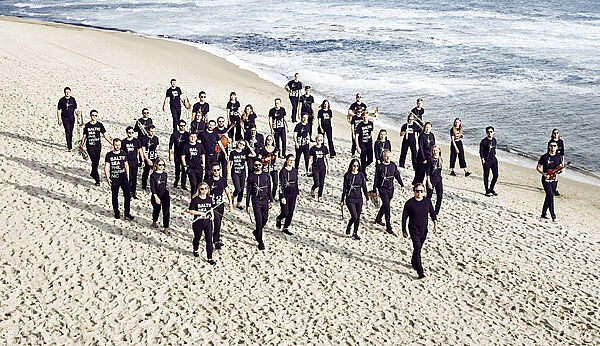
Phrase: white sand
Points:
(70, 273)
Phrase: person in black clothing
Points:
(385, 173)
(288, 192)
(234, 119)
(487, 153)
(354, 182)
(201, 209)
(193, 160)
(425, 142)
(433, 171)
(134, 151)
(238, 159)
(355, 113)
(268, 157)
(381, 144)
(150, 154)
(364, 142)
(324, 120)
(409, 133)
(218, 185)
(306, 101)
(248, 120)
(456, 148)
(209, 139)
(418, 111)
(259, 190)
(318, 164)
(561, 151)
(202, 107)
(548, 161)
(178, 139)
(198, 125)
(254, 139)
(278, 126)
(294, 88)
(174, 96)
(142, 126)
(222, 145)
(65, 114)
(160, 198)
(92, 132)
(116, 170)
(301, 141)
(415, 211)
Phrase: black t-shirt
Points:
(302, 134)
(487, 150)
(353, 184)
(410, 131)
(145, 123)
(325, 115)
(131, 147)
(295, 88)
(174, 97)
(67, 107)
(209, 141)
(248, 123)
(203, 108)
(238, 160)
(418, 112)
(426, 141)
(357, 105)
(233, 107)
(117, 163)
(363, 131)
(203, 205)
(158, 183)
(416, 213)
(457, 137)
(433, 170)
(193, 155)
(217, 186)
(550, 162)
(93, 134)
(178, 140)
(561, 146)
(152, 148)
(268, 159)
(288, 182)
(257, 142)
(277, 116)
(306, 102)
(197, 126)
(318, 156)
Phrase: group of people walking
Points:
(208, 153)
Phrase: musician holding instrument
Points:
(201, 107)
(65, 115)
(561, 151)
(354, 182)
(355, 116)
(218, 185)
(418, 111)
(160, 199)
(141, 127)
(173, 95)
(258, 189)
(92, 133)
(547, 167)
(385, 173)
(201, 208)
(255, 140)
(222, 146)
(409, 133)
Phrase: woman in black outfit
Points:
(248, 120)
(354, 182)
(160, 198)
(425, 142)
(201, 209)
(434, 177)
(238, 159)
(456, 148)
(288, 192)
(324, 120)
(550, 160)
(381, 144)
(233, 116)
(561, 151)
(268, 156)
(318, 164)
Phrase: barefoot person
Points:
(415, 211)
(487, 153)
(278, 126)
(302, 141)
(160, 198)
(409, 133)
(173, 95)
(201, 209)
(238, 160)
(385, 173)
(324, 117)
(549, 161)
(134, 151)
(193, 162)
(354, 183)
(456, 147)
(433, 173)
(93, 131)
(425, 143)
(318, 164)
(116, 170)
(218, 185)
(176, 143)
(259, 191)
(294, 88)
(561, 151)
(288, 192)
(381, 144)
(65, 115)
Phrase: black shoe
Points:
(117, 216)
(278, 222)
(488, 194)
(421, 276)
(379, 222)
(239, 207)
(285, 230)
(134, 196)
(195, 253)
(467, 174)
(452, 173)
(332, 156)
(355, 236)
(175, 184)
(389, 231)
(145, 188)
(218, 245)
(544, 216)
(98, 184)
(494, 193)
(554, 219)
(348, 230)
(128, 217)
(184, 188)
(212, 261)
(556, 193)
(261, 246)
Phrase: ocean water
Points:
(524, 67)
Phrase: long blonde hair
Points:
(197, 193)
(454, 129)
(439, 158)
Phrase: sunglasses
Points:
(161, 164)
(203, 189)
(258, 165)
(129, 132)
(145, 112)
(202, 97)
(553, 145)
(419, 191)
(182, 125)
(555, 132)
(490, 131)
(216, 169)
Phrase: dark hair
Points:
(277, 98)
(66, 88)
(323, 104)
(550, 142)
(295, 74)
(489, 128)
(173, 80)
(232, 93)
(212, 121)
(380, 132)
(151, 127)
(352, 163)
(115, 140)
(552, 134)
(144, 109)
(307, 87)
(181, 121)
(128, 128)
(201, 93)
(287, 157)
(427, 123)
(417, 185)
(93, 111)
(419, 99)
(214, 164)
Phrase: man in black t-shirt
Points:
(178, 139)
(301, 141)
(278, 126)
(201, 107)
(134, 151)
(65, 114)
(418, 111)
(354, 116)
(294, 87)
(92, 133)
(306, 101)
(116, 170)
(150, 155)
(174, 97)
(364, 142)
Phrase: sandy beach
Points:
(72, 274)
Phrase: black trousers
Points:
(327, 133)
(318, 179)
(165, 205)
(123, 184)
(279, 135)
(203, 226)
(486, 175)
(94, 154)
(419, 172)
(461, 156)
(549, 188)
(384, 210)
(353, 150)
(222, 160)
(68, 124)
(179, 170)
(302, 150)
(133, 172)
(311, 119)
(239, 182)
(217, 221)
(439, 191)
(355, 208)
(145, 174)
(418, 238)
(366, 156)
(176, 113)
(235, 133)
(412, 145)
(287, 210)
(274, 181)
(195, 176)
(294, 102)
(261, 215)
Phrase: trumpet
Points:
(374, 114)
(142, 129)
(418, 121)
